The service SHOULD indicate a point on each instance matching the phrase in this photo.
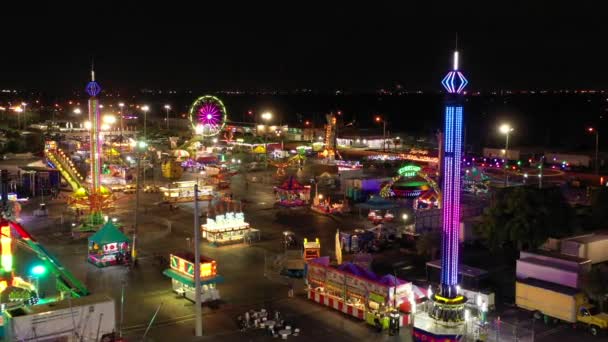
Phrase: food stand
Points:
(178, 192)
(226, 228)
(358, 292)
(181, 272)
(312, 249)
(109, 246)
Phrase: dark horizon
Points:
(266, 46)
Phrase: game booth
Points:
(226, 228)
(360, 293)
(109, 246)
(292, 194)
(181, 272)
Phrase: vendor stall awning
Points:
(190, 281)
(108, 233)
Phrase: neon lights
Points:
(208, 115)
(208, 268)
(93, 88)
(454, 82)
(94, 118)
(409, 170)
(7, 254)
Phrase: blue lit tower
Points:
(454, 82)
(447, 308)
(93, 89)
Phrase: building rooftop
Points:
(588, 238)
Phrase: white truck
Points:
(592, 246)
(552, 267)
(90, 318)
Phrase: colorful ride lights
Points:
(38, 270)
(6, 243)
(454, 82)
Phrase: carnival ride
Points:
(208, 116)
(409, 171)
(298, 159)
(13, 233)
(330, 150)
(476, 181)
(97, 198)
(292, 194)
(57, 159)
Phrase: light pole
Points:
(266, 116)
(24, 105)
(19, 110)
(597, 146)
(198, 327)
(167, 108)
(122, 127)
(540, 173)
(145, 110)
(506, 129)
(140, 145)
(378, 119)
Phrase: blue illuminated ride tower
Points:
(454, 82)
(448, 304)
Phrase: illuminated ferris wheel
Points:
(208, 116)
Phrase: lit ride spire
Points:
(447, 308)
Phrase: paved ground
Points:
(242, 266)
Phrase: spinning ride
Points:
(208, 116)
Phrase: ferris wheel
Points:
(208, 116)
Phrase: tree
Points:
(427, 244)
(595, 284)
(525, 217)
(599, 207)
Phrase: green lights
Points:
(409, 170)
(38, 270)
(142, 144)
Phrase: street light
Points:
(109, 119)
(139, 146)
(18, 110)
(122, 127)
(167, 108)
(379, 119)
(597, 145)
(506, 129)
(266, 116)
(145, 110)
(77, 111)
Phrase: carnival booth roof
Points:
(391, 280)
(108, 233)
(291, 184)
(358, 271)
(377, 203)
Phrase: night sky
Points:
(294, 44)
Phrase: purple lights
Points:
(93, 88)
(209, 114)
(454, 83)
